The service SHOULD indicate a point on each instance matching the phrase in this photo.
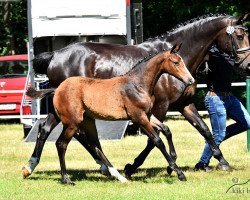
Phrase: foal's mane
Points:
(144, 60)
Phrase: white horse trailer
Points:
(53, 24)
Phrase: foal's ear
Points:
(176, 48)
(242, 18)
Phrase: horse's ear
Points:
(176, 48)
(242, 19)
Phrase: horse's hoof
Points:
(67, 181)
(122, 179)
(224, 167)
(182, 177)
(169, 170)
(128, 170)
(26, 172)
(106, 173)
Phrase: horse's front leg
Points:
(94, 147)
(44, 130)
(191, 114)
(149, 130)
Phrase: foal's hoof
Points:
(224, 167)
(128, 170)
(182, 177)
(26, 171)
(169, 170)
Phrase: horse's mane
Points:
(183, 24)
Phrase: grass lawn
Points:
(150, 182)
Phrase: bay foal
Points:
(80, 100)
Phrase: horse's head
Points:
(234, 40)
(174, 65)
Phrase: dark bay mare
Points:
(109, 60)
(78, 101)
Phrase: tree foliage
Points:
(14, 29)
(162, 15)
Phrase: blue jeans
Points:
(219, 107)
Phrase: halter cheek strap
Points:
(230, 30)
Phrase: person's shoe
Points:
(203, 167)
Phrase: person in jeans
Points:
(221, 103)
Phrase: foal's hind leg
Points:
(149, 130)
(94, 143)
(61, 144)
(44, 130)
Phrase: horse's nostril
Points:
(191, 81)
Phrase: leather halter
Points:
(235, 50)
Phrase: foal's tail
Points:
(41, 62)
(39, 94)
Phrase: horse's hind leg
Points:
(113, 171)
(44, 130)
(191, 114)
(88, 132)
(94, 143)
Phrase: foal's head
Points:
(174, 65)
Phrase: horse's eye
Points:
(240, 37)
(176, 63)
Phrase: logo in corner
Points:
(239, 188)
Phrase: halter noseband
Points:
(230, 30)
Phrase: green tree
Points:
(14, 31)
(162, 15)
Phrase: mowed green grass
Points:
(150, 182)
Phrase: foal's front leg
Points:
(149, 130)
(138, 161)
(167, 133)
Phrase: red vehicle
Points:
(13, 75)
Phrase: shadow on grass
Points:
(141, 175)
(147, 175)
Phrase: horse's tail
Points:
(41, 62)
(39, 94)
